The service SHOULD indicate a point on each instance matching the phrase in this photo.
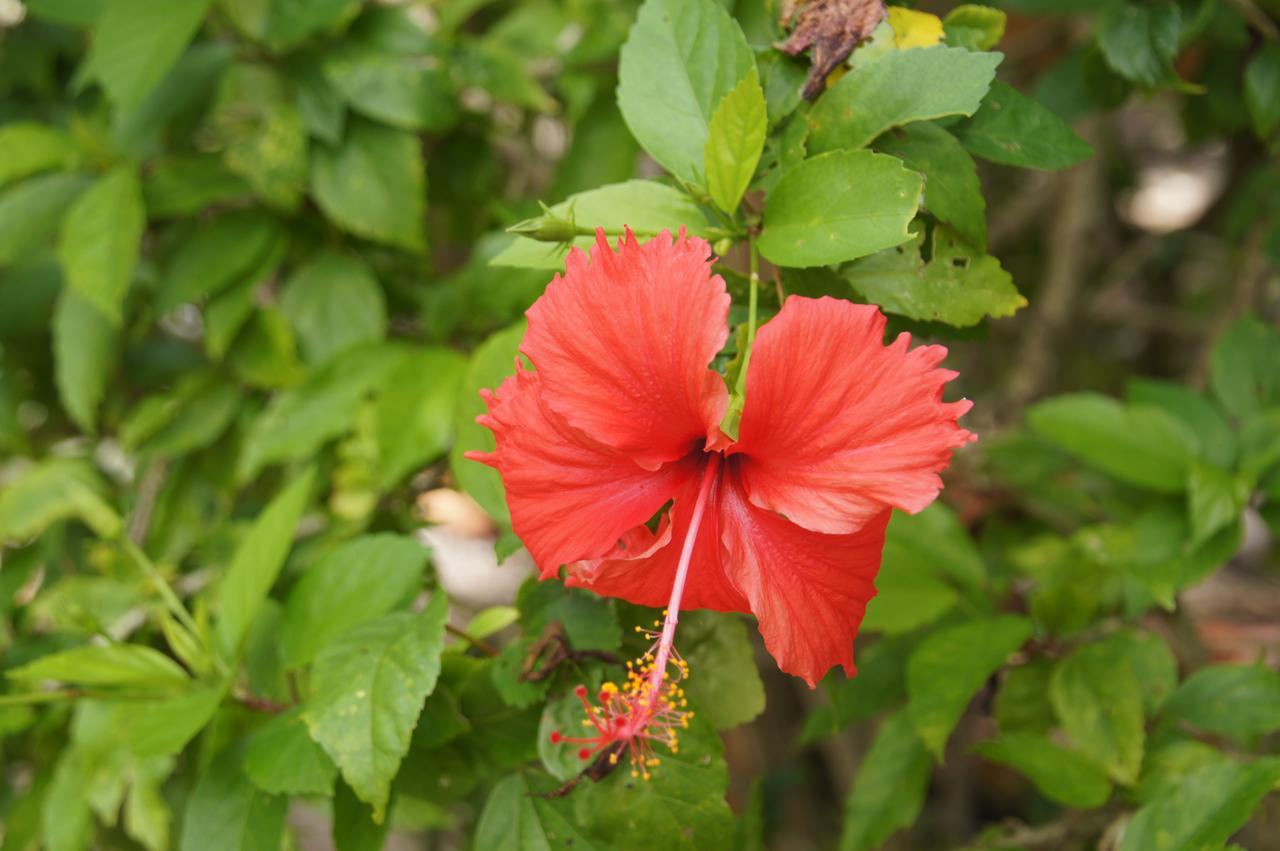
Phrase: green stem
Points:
(171, 601)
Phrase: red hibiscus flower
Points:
(620, 420)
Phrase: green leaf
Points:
(898, 88)
(1243, 374)
(514, 819)
(1012, 129)
(136, 42)
(319, 106)
(1261, 89)
(974, 27)
(55, 490)
(257, 562)
(838, 206)
(905, 602)
(601, 150)
(146, 812)
(590, 622)
(99, 242)
(216, 255)
(282, 24)
(1241, 702)
(735, 140)
(502, 73)
(492, 620)
(950, 666)
(936, 541)
(1140, 445)
(1022, 703)
(642, 205)
(105, 665)
(1203, 809)
(28, 148)
(84, 354)
(1260, 445)
(1214, 501)
(889, 789)
(563, 715)
(680, 60)
(952, 192)
(416, 410)
(922, 552)
(1153, 663)
(257, 126)
(1098, 699)
(75, 13)
(680, 808)
(353, 826)
(370, 686)
(66, 819)
(303, 418)
(782, 78)
(31, 210)
(1140, 41)
(333, 303)
(164, 727)
(958, 285)
(1062, 775)
(184, 90)
(226, 314)
(374, 185)
(880, 683)
(1216, 438)
(183, 185)
(411, 91)
(281, 758)
(357, 582)
(192, 417)
(492, 362)
(725, 683)
(226, 811)
(266, 354)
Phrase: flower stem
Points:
(668, 636)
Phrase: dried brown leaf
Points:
(832, 28)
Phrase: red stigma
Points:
(556, 738)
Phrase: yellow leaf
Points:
(914, 29)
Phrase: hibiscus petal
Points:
(623, 342)
(809, 590)
(570, 496)
(837, 426)
(646, 575)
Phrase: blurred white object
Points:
(1171, 197)
(461, 545)
(12, 13)
(469, 571)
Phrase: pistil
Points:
(668, 636)
(647, 708)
